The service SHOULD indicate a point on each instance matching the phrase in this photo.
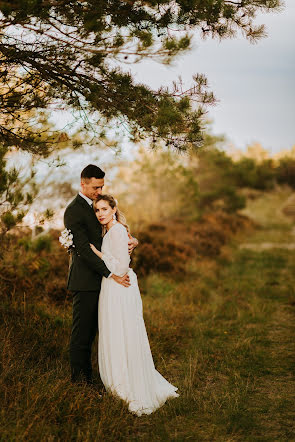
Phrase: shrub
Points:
(285, 172)
(43, 242)
(233, 200)
(167, 248)
(26, 243)
(248, 173)
(157, 254)
(215, 230)
(225, 198)
(208, 239)
(37, 268)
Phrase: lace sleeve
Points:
(117, 259)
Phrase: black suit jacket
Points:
(86, 269)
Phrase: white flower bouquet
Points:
(66, 239)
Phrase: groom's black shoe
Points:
(96, 385)
(97, 388)
(87, 381)
(79, 377)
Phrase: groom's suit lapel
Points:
(86, 206)
(83, 202)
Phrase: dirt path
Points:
(267, 246)
(274, 392)
(277, 389)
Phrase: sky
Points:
(254, 83)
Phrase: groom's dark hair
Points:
(92, 171)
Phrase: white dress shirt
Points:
(89, 201)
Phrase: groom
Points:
(86, 271)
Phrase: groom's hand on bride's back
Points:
(123, 280)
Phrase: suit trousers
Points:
(84, 329)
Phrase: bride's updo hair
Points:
(120, 217)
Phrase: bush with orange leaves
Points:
(34, 268)
(166, 248)
(215, 230)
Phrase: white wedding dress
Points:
(125, 361)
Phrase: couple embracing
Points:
(106, 297)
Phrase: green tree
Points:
(157, 186)
(56, 54)
(285, 171)
(13, 198)
(249, 173)
(17, 192)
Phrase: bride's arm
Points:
(117, 258)
(123, 279)
(97, 252)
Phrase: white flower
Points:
(66, 239)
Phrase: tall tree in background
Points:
(65, 54)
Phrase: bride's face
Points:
(104, 212)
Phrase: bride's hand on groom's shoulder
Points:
(132, 243)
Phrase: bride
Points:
(125, 361)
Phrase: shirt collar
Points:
(89, 201)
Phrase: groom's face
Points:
(92, 187)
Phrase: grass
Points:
(265, 210)
(224, 340)
(224, 336)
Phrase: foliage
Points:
(262, 175)
(224, 198)
(16, 194)
(221, 179)
(18, 190)
(37, 265)
(160, 252)
(159, 183)
(167, 248)
(58, 54)
(215, 230)
(43, 242)
(166, 185)
(285, 172)
(248, 173)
